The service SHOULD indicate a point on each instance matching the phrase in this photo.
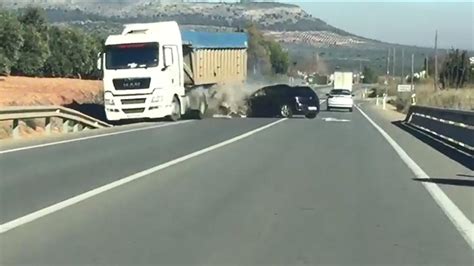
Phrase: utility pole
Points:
(403, 65)
(393, 68)
(412, 70)
(436, 62)
(388, 66)
(426, 65)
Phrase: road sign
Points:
(404, 88)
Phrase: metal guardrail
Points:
(453, 126)
(70, 119)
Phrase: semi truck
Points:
(343, 80)
(156, 70)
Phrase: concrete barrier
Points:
(454, 126)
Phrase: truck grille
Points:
(132, 83)
(134, 110)
(133, 101)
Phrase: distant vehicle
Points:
(343, 80)
(284, 101)
(152, 70)
(340, 99)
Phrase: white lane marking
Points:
(332, 119)
(81, 197)
(322, 101)
(91, 137)
(221, 116)
(457, 217)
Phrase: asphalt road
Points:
(299, 192)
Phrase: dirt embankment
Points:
(24, 91)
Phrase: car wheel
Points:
(328, 108)
(285, 111)
(311, 115)
(350, 109)
(176, 110)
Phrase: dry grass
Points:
(460, 99)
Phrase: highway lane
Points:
(54, 173)
(300, 192)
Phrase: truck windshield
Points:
(136, 55)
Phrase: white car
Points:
(340, 99)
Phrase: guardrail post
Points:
(47, 126)
(75, 127)
(16, 129)
(377, 100)
(65, 126)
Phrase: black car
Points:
(283, 100)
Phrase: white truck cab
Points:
(146, 74)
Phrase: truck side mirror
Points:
(168, 57)
(99, 61)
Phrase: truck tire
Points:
(201, 112)
(176, 110)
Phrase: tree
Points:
(258, 56)
(278, 58)
(73, 53)
(11, 40)
(369, 75)
(35, 50)
(34, 17)
(455, 70)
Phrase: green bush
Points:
(30, 47)
(11, 40)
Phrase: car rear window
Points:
(304, 91)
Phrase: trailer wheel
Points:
(176, 110)
(201, 112)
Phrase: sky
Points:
(412, 23)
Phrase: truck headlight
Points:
(109, 98)
(157, 99)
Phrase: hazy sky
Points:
(400, 22)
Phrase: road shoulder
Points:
(445, 166)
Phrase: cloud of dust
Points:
(322, 67)
(231, 99)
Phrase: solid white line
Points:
(71, 201)
(457, 217)
(91, 137)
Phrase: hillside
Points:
(105, 17)
(288, 24)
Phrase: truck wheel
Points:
(176, 110)
(201, 112)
